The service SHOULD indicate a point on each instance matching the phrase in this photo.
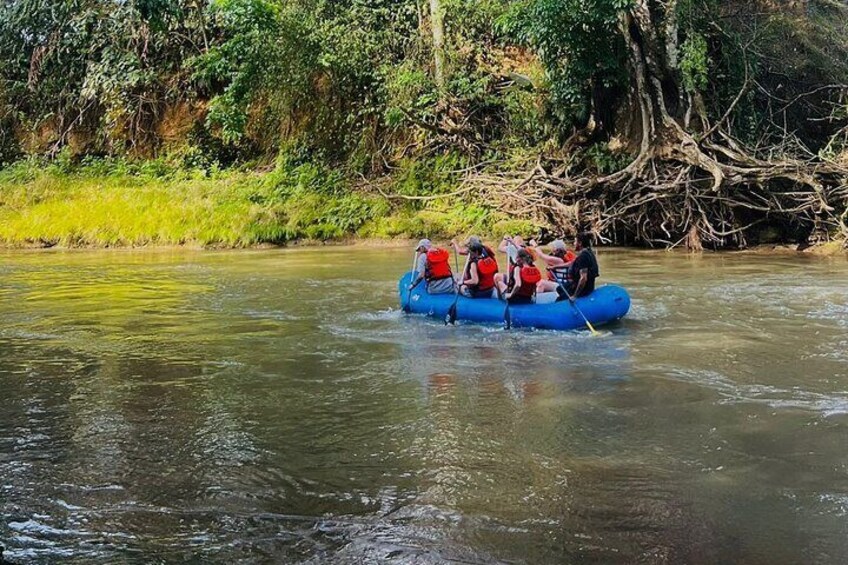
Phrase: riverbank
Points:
(118, 204)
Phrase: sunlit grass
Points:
(118, 205)
(127, 210)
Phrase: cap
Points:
(558, 244)
(473, 240)
(425, 243)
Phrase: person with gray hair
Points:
(433, 265)
(557, 264)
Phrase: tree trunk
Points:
(438, 28)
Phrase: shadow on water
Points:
(277, 406)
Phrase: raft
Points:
(606, 304)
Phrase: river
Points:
(276, 406)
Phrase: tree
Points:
(438, 30)
(690, 179)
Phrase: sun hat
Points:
(425, 243)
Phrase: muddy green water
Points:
(275, 406)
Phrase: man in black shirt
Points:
(584, 269)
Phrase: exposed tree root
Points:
(681, 194)
(682, 187)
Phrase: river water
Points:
(275, 406)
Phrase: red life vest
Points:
(511, 265)
(529, 277)
(438, 265)
(486, 269)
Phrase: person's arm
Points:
(517, 278)
(504, 244)
(461, 249)
(584, 276)
(473, 277)
(420, 268)
(550, 260)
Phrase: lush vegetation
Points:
(113, 202)
(233, 122)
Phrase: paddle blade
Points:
(405, 306)
(585, 319)
(507, 317)
(451, 317)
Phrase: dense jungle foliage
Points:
(696, 122)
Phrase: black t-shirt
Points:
(585, 260)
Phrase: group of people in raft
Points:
(570, 274)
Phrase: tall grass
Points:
(122, 209)
(113, 203)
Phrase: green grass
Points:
(126, 210)
(114, 203)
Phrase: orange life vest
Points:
(529, 277)
(560, 274)
(438, 265)
(486, 269)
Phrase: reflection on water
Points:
(276, 406)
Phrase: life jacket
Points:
(438, 265)
(529, 277)
(511, 265)
(560, 274)
(486, 269)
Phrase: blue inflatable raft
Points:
(606, 304)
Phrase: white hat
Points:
(425, 243)
(558, 244)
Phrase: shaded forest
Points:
(697, 123)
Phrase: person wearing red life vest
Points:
(463, 248)
(557, 265)
(479, 281)
(525, 276)
(433, 266)
(509, 245)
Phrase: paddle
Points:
(451, 317)
(507, 316)
(511, 253)
(579, 311)
(409, 296)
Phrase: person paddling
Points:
(508, 240)
(584, 269)
(480, 278)
(463, 248)
(509, 245)
(524, 277)
(434, 267)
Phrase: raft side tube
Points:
(606, 304)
